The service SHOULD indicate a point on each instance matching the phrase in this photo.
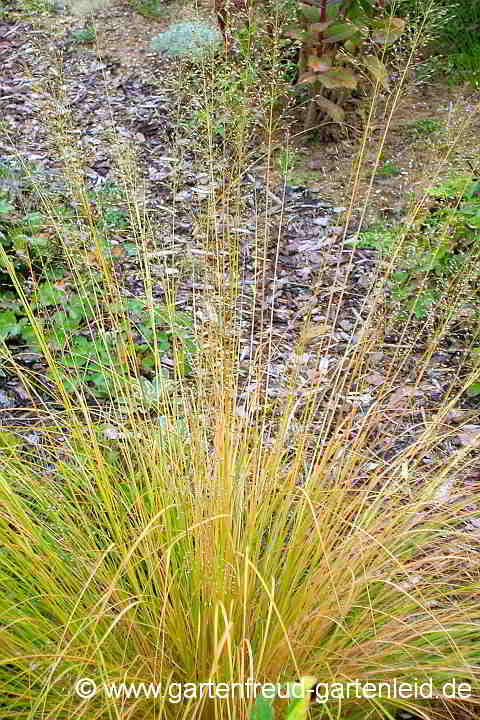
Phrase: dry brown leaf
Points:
(314, 331)
(456, 415)
(375, 378)
(443, 492)
(320, 26)
(319, 374)
(319, 64)
(470, 435)
(92, 258)
(332, 109)
(400, 395)
(307, 77)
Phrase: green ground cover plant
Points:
(156, 9)
(84, 35)
(440, 245)
(213, 525)
(92, 356)
(388, 169)
(452, 45)
(425, 127)
(460, 43)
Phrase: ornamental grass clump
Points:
(191, 550)
(202, 537)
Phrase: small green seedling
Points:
(389, 169)
(84, 36)
(423, 127)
